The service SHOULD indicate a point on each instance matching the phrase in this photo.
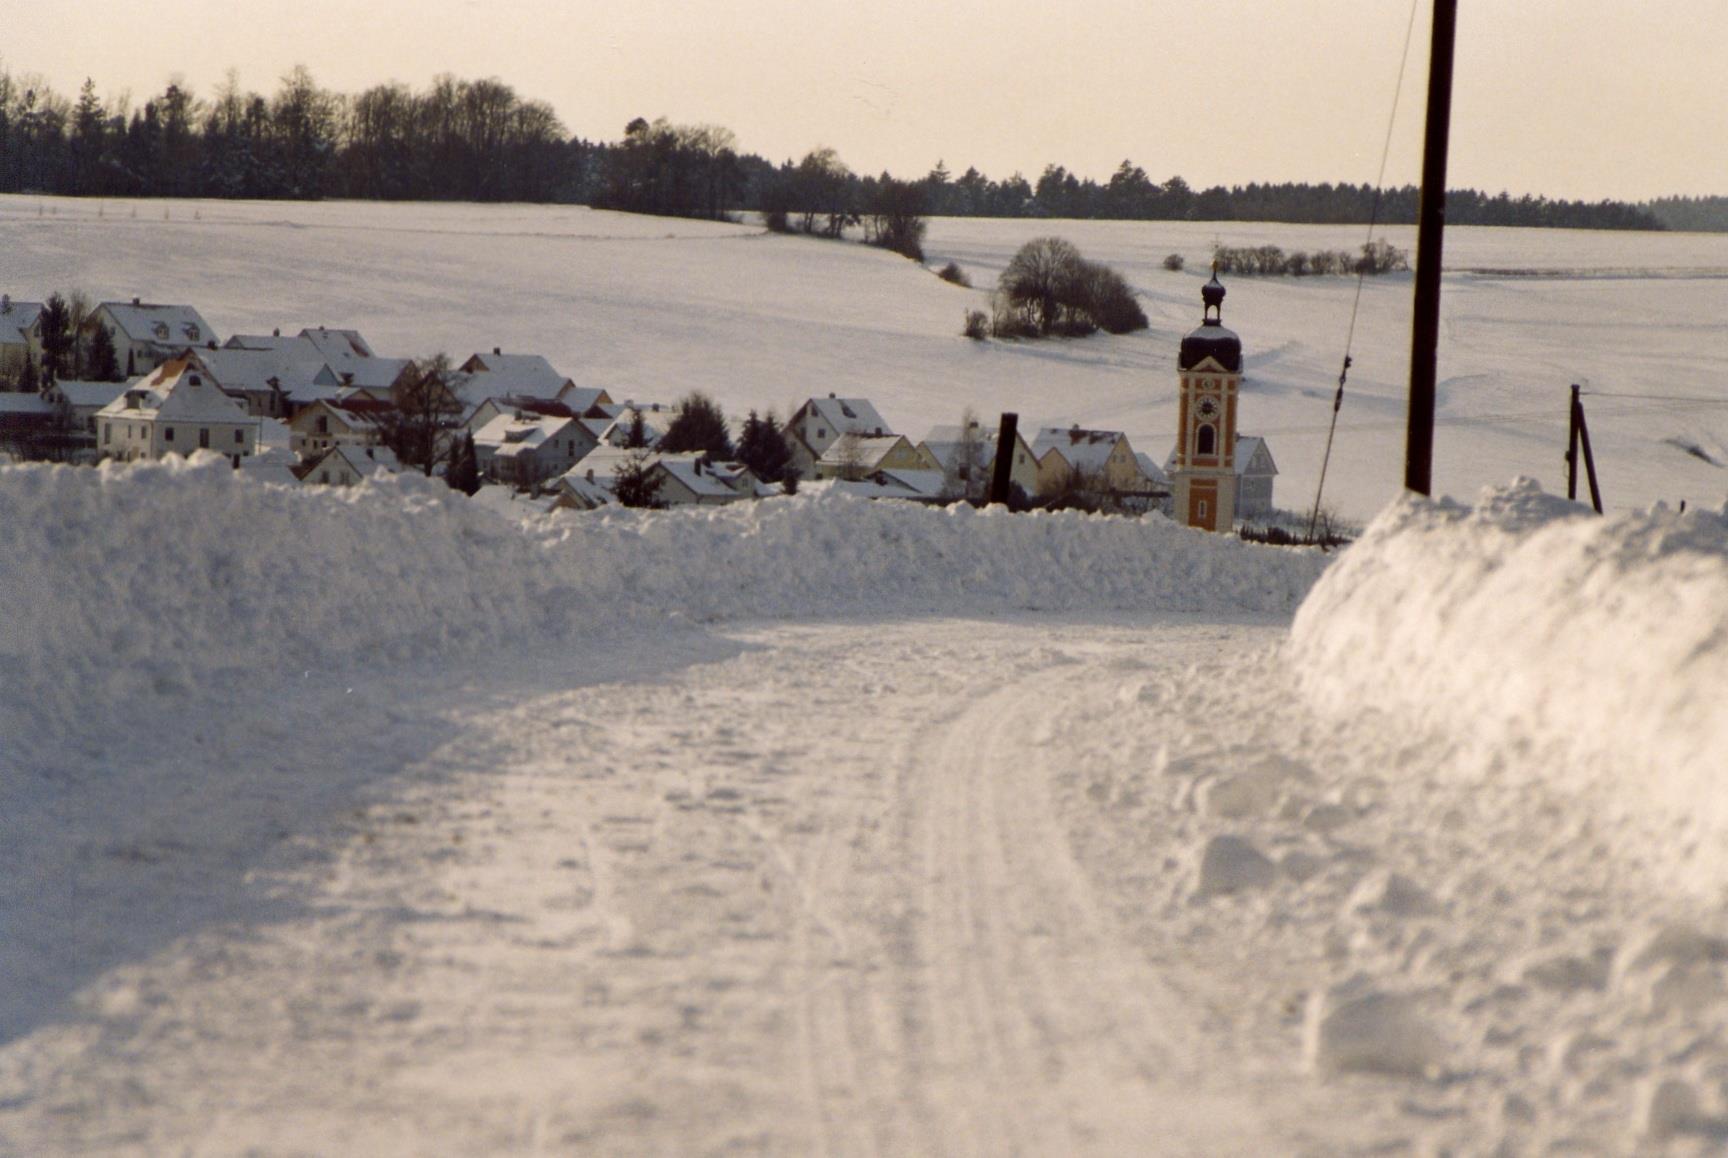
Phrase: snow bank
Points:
(1587, 654)
(144, 579)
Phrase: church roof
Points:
(1211, 339)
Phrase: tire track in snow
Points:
(1042, 1031)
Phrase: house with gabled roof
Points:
(346, 352)
(79, 402)
(1090, 459)
(819, 422)
(966, 456)
(525, 448)
(269, 383)
(317, 428)
(347, 466)
(20, 331)
(685, 479)
(516, 404)
(175, 410)
(498, 375)
(854, 456)
(147, 334)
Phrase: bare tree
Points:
(426, 414)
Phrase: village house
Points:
(269, 383)
(346, 353)
(815, 426)
(967, 459)
(271, 465)
(1098, 460)
(79, 402)
(514, 404)
(523, 449)
(20, 332)
(146, 335)
(688, 479)
(855, 456)
(500, 375)
(323, 425)
(173, 410)
(347, 466)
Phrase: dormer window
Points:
(160, 329)
(191, 331)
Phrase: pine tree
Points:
(634, 485)
(762, 447)
(464, 472)
(57, 337)
(103, 361)
(700, 425)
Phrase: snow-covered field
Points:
(652, 308)
(379, 822)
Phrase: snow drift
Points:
(1586, 654)
(144, 579)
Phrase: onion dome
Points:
(1211, 339)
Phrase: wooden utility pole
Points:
(1580, 436)
(1431, 228)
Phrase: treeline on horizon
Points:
(478, 140)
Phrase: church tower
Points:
(1209, 369)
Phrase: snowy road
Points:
(917, 887)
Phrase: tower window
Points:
(1206, 441)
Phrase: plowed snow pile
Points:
(1540, 637)
(132, 579)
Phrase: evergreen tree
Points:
(29, 381)
(464, 471)
(103, 361)
(634, 484)
(762, 447)
(700, 425)
(636, 434)
(57, 337)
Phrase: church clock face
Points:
(1208, 409)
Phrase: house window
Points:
(204, 436)
(1200, 509)
(168, 434)
(240, 437)
(106, 431)
(323, 424)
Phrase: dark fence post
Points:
(1002, 478)
(1576, 408)
(1589, 460)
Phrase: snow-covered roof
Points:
(364, 461)
(849, 415)
(863, 452)
(161, 325)
(580, 399)
(925, 484)
(586, 493)
(176, 390)
(1086, 450)
(944, 444)
(252, 371)
(1150, 469)
(274, 465)
(338, 343)
(494, 375)
(25, 405)
(15, 318)
(720, 480)
(81, 393)
(512, 434)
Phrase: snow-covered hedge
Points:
(1588, 653)
(145, 578)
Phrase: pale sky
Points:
(1568, 98)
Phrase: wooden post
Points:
(1589, 460)
(1002, 478)
(1576, 409)
(1430, 232)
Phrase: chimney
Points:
(211, 344)
(830, 393)
(137, 301)
(277, 332)
(497, 350)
